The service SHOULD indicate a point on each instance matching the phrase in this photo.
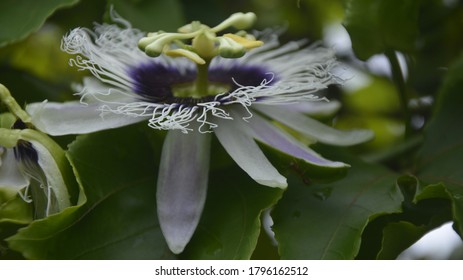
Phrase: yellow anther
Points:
(245, 42)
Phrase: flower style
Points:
(29, 164)
(194, 82)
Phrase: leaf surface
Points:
(326, 221)
(18, 18)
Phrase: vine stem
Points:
(399, 80)
(13, 106)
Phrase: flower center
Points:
(189, 90)
(158, 83)
(200, 43)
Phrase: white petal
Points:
(320, 108)
(94, 91)
(315, 129)
(10, 175)
(240, 145)
(53, 175)
(277, 138)
(92, 83)
(75, 118)
(182, 186)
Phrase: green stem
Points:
(13, 106)
(398, 78)
(202, 81)
(7, 120)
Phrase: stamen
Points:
(248, 43)
(229, 48)
(186, 53)
(154, 44)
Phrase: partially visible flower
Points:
(29, 167)
(201, 90)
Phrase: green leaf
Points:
(14, 214)
(18, 18)
(397, 237)
(377, 25)
(7, 229)
(440, 159)
(152, 15)
(230, 225)
(430, 192)
(117, 220)
(326, 221)
(422, 211)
